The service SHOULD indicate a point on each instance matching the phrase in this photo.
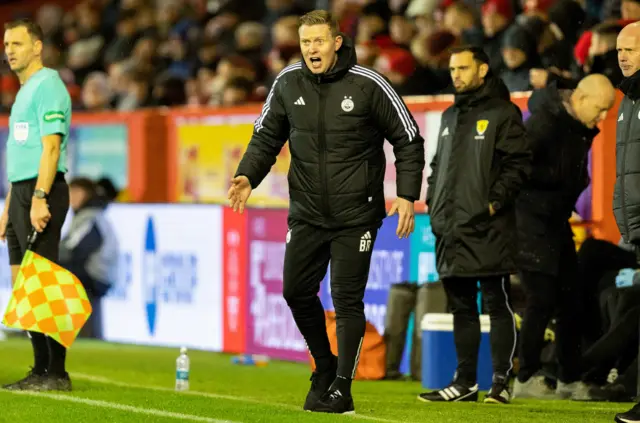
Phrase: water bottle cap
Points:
(183, 350)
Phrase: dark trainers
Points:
(32, 382)
(631, 416)
(56, 383)
(498, 394)
(611, 392)
(335, 403)
(455, 392)
(320, 383)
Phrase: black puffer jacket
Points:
(626, 195)
(482, 157)
(560, 173)
(336, 124)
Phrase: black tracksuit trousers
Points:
(549, 295)
(462, 294)
(308, 252)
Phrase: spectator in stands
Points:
(249, 40)
(96, 93)
(228, 68)
(459, 19)
(145, 22)
(556, 61)
(603, 57)
(137, 93)
(519, 56)
(238, 91)
(630, 10)
(49, 17)
(168, 91)
(143, 55)
(397, 64)
(496, 18)
(567, 18)
(84, 54)
(90, 249)
(537, 8)
(402, 30)
(562, 127)
(126, 35)
(431, 75)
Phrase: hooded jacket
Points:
(626, 194)
(482, 158)
(561, 145)
(90, 248)
(518, 37)
(336, 124)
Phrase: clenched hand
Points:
(406, 217)
(239, 193)
(40, 214)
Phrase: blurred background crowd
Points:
(129, 54)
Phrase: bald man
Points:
(562, 126)
(626, 196)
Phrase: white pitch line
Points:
(106, 381)
(121, 407)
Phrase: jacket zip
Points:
(323, 156)
(623, 171)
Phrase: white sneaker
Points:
(534, 388)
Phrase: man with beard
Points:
(561, 128)
(481, 161)
(336, 116)
(626, 196)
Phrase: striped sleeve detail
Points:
(267, 104)
(398, 104)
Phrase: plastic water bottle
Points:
(182, 371)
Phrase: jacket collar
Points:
(631, 86)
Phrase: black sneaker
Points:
(335, 403)
(32, 382)
(498, 394)
(611, 392)
(57, 383)
(631, 416)
(320, 383)
(455, 392)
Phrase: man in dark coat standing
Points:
(626, 196)
(481, 161)
(561, 128)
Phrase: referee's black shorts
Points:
(19, 226)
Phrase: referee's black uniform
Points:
(336, 124)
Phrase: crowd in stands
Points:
(129, 54)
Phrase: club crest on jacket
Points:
(347, 104)
(481, 128)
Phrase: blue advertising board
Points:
(93, 151)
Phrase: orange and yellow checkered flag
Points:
(48, 299)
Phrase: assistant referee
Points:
(39, 196)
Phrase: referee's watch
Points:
(40, 194)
